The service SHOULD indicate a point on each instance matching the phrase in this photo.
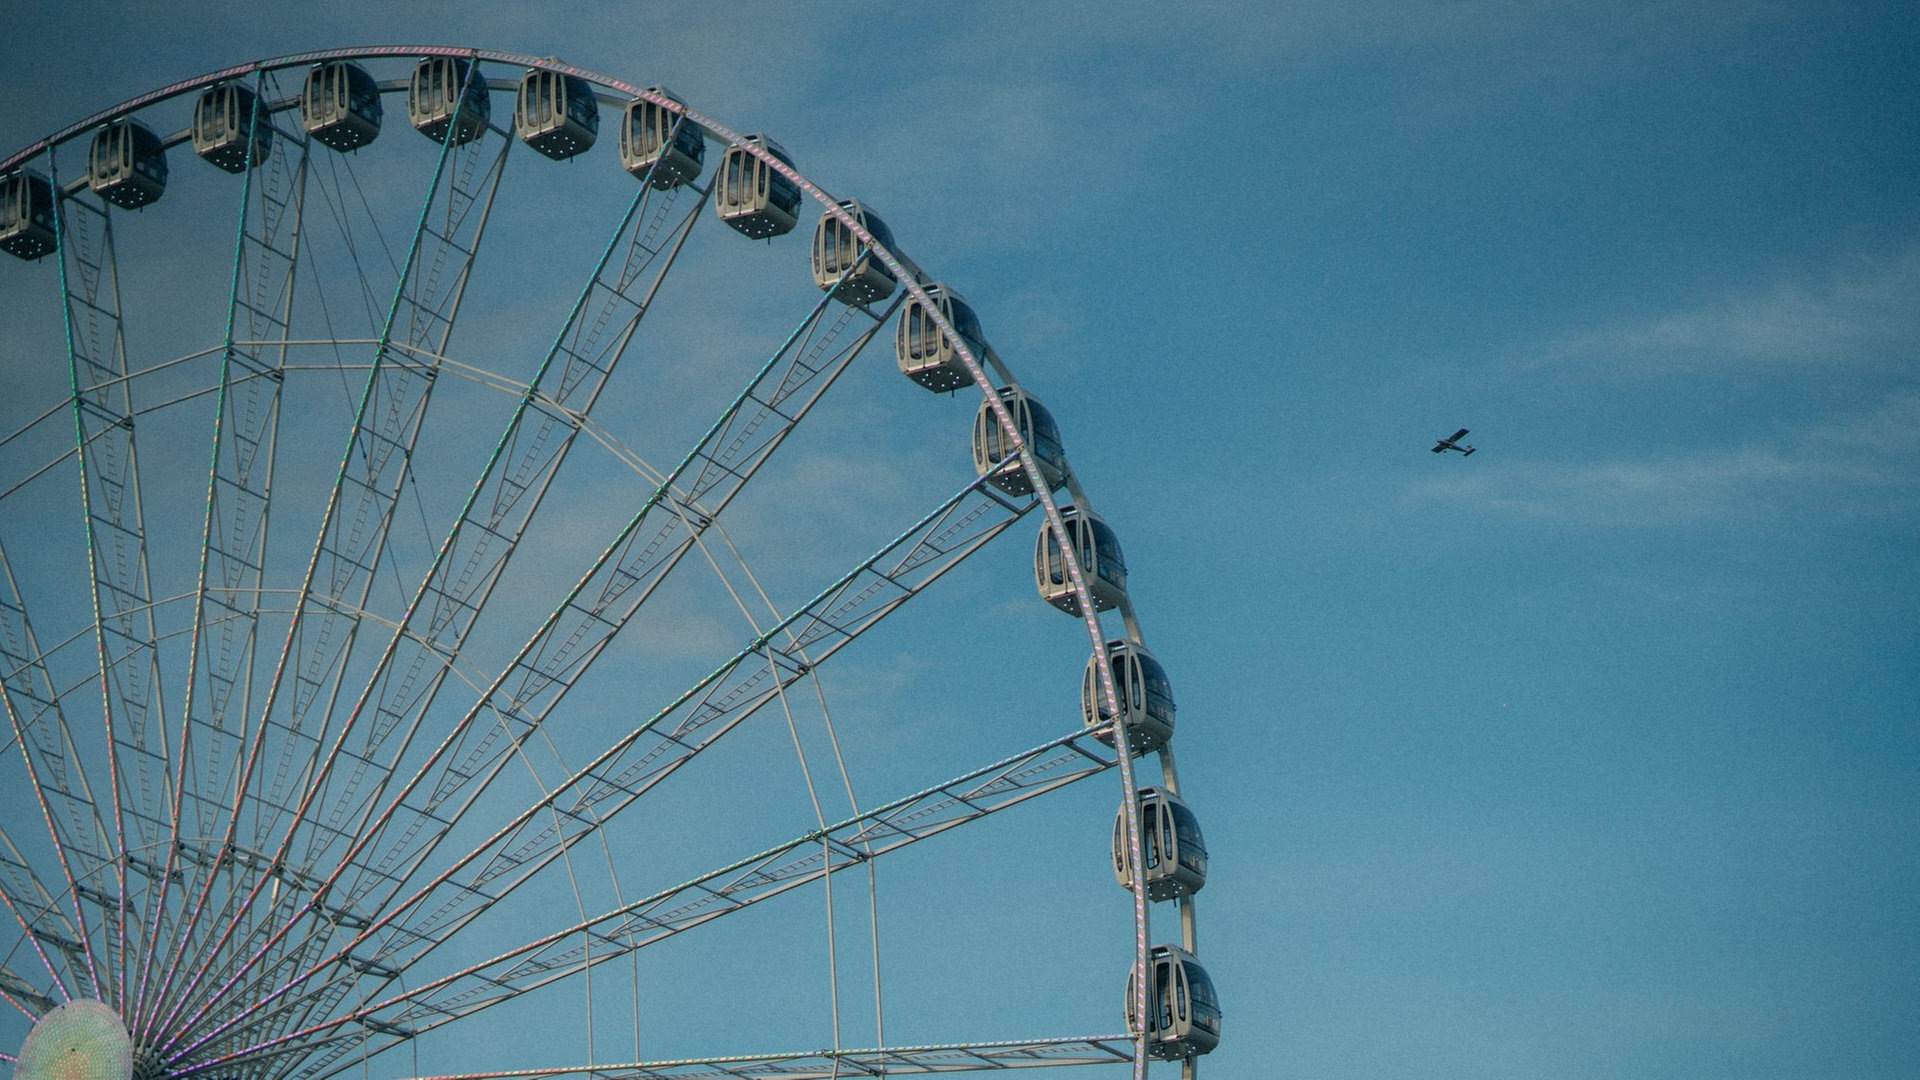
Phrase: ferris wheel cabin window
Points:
(27, 226)
(995, 454)
(1095, 547)
(1190, 845)
(1150, 841)
(753, 198)
(658, 144)
(1147, 717)
(924, 353)
(340, 105)
(127, 165)
(447, 97)
(230, 128)
(555, 113)
(841, 263)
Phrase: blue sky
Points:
(1594, 754)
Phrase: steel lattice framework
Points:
(269, 794)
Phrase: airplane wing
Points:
(1458, 435)
(1440, 447)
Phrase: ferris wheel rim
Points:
(909, 277)
(904, 272)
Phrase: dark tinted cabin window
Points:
(1187, 831)
(841, 247)
(921, 333)
(1107, 550)
(1206, 1004)
(1158, 688)
(996, 437)
(1041, 431)
(783, 194)
(1150, 834)
(964, 320)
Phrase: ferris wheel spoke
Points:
(211, 867)
(605, 599)
(839, 1064)
(419, 320)
(801, 861)
(18, 991)
(140, 769)
(959, 1057)
(52, 761)
(233, 548)
(498, 511)
(351, 544)
(640, 760)
(504, 499)
(48, 927)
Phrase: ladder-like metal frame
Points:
(299, 851)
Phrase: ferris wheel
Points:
(426, 564)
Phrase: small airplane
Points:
(1452, 442)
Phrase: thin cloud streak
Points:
(1853, 317)
(1858, 467)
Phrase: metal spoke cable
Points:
(536, 663)
(843, 611)
(498, 511)
(577, 353)
(303, 875)
(350, 542)
(813, 794)
(233, 547)
(32, 906)
(133, 709)
(799, 752)
(826, 1064)
(733, 887)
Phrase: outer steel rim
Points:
(904, 273)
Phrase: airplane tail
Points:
(1468, 452)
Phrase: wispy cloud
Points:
(1862, 313)
(1858, 466)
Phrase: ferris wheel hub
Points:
(81, 1040)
